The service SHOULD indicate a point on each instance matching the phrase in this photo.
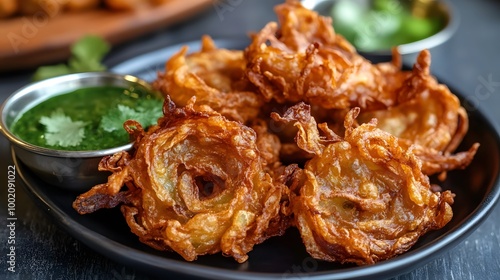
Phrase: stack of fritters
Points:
(297, 130)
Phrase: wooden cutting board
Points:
(30, 41)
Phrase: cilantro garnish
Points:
(115, 118)
(146, 113)
(149, 111)
(62, 130)
(86, 56)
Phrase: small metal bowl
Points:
(70, 170)
(441, 9)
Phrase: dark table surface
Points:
(466, 61)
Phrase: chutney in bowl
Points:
(62, 127)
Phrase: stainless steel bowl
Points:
(442, 9)
(71, 170)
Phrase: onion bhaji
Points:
(429, 117)
(215, 76)
(196, 184)
(239, 155)
(364, 198)
(304, 60)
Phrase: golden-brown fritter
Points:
(428, 116)
(215, 76)
(196, 184)
(362, 198)
(8, 8)
(30, 7)
(304, 60)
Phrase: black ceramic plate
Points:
(477, 189)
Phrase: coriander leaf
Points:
(146, 113)
(62, 130)
(50, 71)
(90, 48)
(78, 65)
(87, 54)
(114, 118)
(149, 110)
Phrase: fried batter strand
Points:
(364, 198)
(196, 184)
(215, 76)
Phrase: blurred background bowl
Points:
(375, 26)
(71, 170)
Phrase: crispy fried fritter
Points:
(8, 8)
(304, 60)
(363, 198)
(429, 116)
(30, 7)
(196, 184)
(215, 76)
(81, 5)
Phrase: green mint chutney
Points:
(382, 24)
(92, 118)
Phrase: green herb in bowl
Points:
(89, 118)
(382, 24)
